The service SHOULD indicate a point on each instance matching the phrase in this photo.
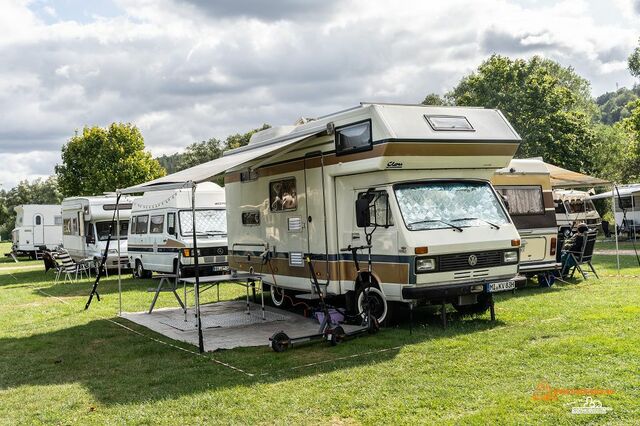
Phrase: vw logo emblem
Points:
(472, 260)
(220, 250)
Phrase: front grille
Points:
(213, 251)
(460, 261)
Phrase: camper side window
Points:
(66, 226)
(57, 220)
(142, 223)
(38, 220)
(251, 218)
(157, 224)
(283, 195)
(171, 223)
(379, 211)
(523, 200)
(354, 137)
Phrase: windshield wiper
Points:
(457, 228)
(493, 225)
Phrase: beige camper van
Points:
(525, 186)
(439, 231)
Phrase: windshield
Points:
(103, 230)
(438, 205)
(209, 222)
(580, 206)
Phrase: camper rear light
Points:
(421, 250)
(554, 244)
(510, 256)
(515, 243)
(425, 264)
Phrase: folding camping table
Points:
(246, 280)
(171, 280)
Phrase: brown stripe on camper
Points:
(531, 221)
(388, 149)
(343, 269)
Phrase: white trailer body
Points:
(85, 228)
(37, 226)
(448, 237)
(160, 230)
(573, 208)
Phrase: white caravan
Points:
(160, 231)
(419, 178)
(85, 228)
(627, 207)
(526, 188)
(38, 226)
(574, 207)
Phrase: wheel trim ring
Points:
(374, 293)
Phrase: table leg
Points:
(248, 309)
(262, 298)
(155, 297)
(218, 290)
(186, 305)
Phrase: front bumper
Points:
(448, 291)
(531, 268)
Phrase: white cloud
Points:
(188, 71)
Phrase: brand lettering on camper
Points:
(394, 165)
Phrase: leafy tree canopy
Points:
(634, 61)
(615, 106)
(102, 160)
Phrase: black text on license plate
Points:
(501, 286)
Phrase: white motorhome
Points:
(160, 231)
(526, 188)
(38, 226)
(440, 231)
(85, 228)
(574, 207)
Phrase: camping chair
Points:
(69, 267)
(583, 256)
(606, 230)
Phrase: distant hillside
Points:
(613, 105)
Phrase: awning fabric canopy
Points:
(205, 171)
(563, 178)
(621, 190)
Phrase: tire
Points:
(280, 342)
(140, 272)
(480, 307)
(337, 336)
(379, 305)
(281, 302)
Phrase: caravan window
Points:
(379, 210)
(157, 224)
(251, 218)
(625, 202)
(103, 230)
(448, 122)
(141, 225)
(523, 200)
(57, 220)
(38, 220)
(283, 195)
(354, 137)
(66, 227)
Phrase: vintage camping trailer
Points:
(574, 207)
(161, 226)
(38, 226)
(85, 228)
(439, 231)
(525, 186)
(627, 207)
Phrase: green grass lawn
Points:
(611, 245)
(60, 364)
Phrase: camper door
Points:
(38, 230)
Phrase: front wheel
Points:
(141, 272)
(373, 299)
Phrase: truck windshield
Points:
(208, 222)
(439, 205)
(102, 229)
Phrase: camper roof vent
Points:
(449, 122)
(270, 133)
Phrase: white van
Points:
(160, 232)
(38, 226)
(574, 207)
(85, 228)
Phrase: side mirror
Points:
(171, 231)
(90, 239)
(363, 215)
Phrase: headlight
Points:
(510, 256)
(425, 265)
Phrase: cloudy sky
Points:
(184, 71)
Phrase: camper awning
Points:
(205, 171)
(623, 191)
(563, 178)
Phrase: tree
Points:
(614, 106)
(238, 140)
(198, 153)
(634, 61)
(549, 105)
(433, 99)
(103, 160)
(38, 192)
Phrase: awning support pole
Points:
(615, 224)
(119, 268)
(196, 268)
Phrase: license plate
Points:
(219, 268)
(501, 286)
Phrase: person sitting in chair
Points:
(573, 245)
